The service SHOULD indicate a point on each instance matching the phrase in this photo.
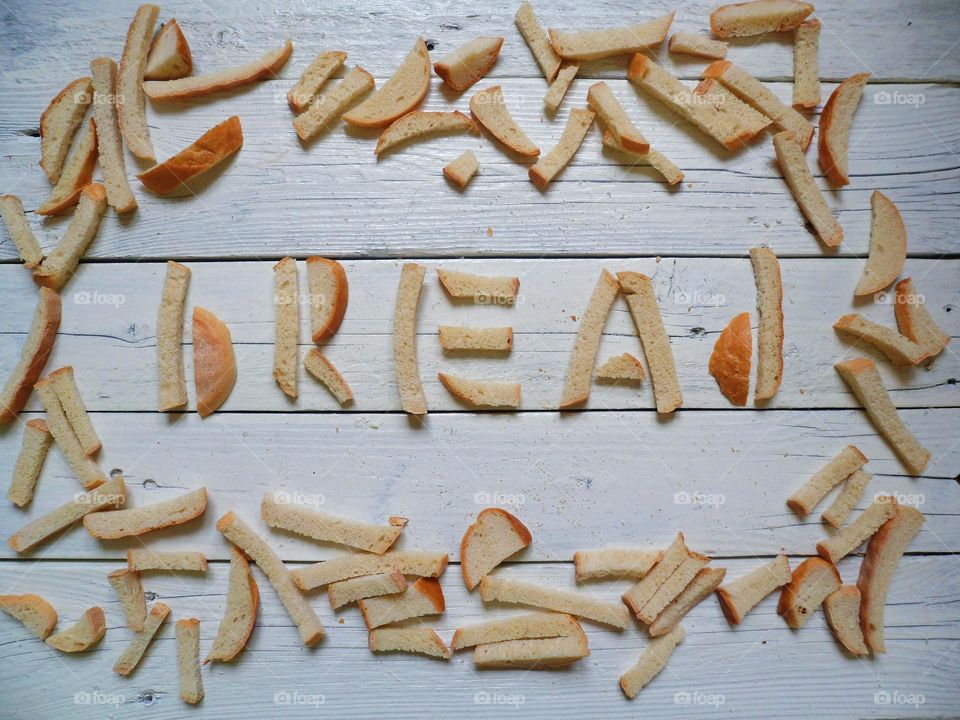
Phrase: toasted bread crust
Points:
(33, 355)
(329, 297)
(730, 360)
(836, 119)
(399, 95)
(215, 145)
(214, 365)
(472, 536)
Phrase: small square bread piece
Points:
(461, 171)
(521, 627)
(651, 662)
(419, 640)
(614, 563)
(424, 597)
(491, 539)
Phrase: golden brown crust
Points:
(518, 527)
(214, 365)
(329, 325)
(827, 153)
(82, 90)
(812, 569)
(730, 360)
(208, 150)
(416, 69)
(46, 321)
(170, 70)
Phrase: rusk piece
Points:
(529, 626)
(490, 110)
(564, 601)
(408, 562)
(109, 143)
(668, 591)
(144, 559)
(740, 596)
(399, 95)
(888, 246)
(286, 303)
(900, 350)
(317, 364)
(325, 527)
(76, 174)
(59, 266)
(65, 385)
(331, 104)
(366, 586)
(243, 599)
(83, 635)
(129, 588)
(424, 597)
(419, 640)
(848, 538)
(640, 593)
(133, 653)
(11, 208)
(468, 63)
(847, 499)
(60, 122)
(33, 451)
(698, 46)
(36, 614)
(703, 583)
(141, 520)
(169, 57)
(651, 662)
(533, 654)
(461, 171)
(419, 125)
(481, 289)
(314, 77)
(914, 320)
(813, 580)
(482, 393)
(604, 103)
(847, 461)
(576, 389)
(329, 296)
(131, 103)
(766, 272)
(842, 608)
(172, 381)
(210, 149)
(558, 88)
(412, 398)
(758, 17)
(810, 200)
(835, 123)
(806, 65)
(614, 563)
(83, 466)
(610, 42)
(549, 166)
(188, 660)
(491, 539)
(214, 365)
(621, 368)
(538, 41)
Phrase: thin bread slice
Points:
(82, 635)
(621, 368)
(366, 586)
(900, 350)
(494, 588)
(412, 398)
(419, 125)
(914, 320)
(861, 375)
(127, 585)
(144, 559)
(766, 273)
(36, 614)
(604, 103)
(842, 608)
(657, 160)
(329, 296)
(490, 110)
(172, 380)
(461, 171)
(651, 662)
(134, 652)
(76, 175)
(740, 596)
(198, 85)
(482, 393)
(638, 595)
(468, 63)
(610, 42)
(419, 640)
(668, 591)
(60, 122)
(169, 57)
(424, 597)
(65, 385)
(405, 89)
(698, 46)
(481, 289)
(847, 499)
(559, 87)
(214, 364)
(528, 626)
(314, 77)
(491, 539)
(549, 166)
(317, 364)
(59, 266)
(538, 41)
(238, 533)
(286, 302)
(131, 102)
(210, 149)
(83, 466)
(704, 583)
(730, 359)
(111, 494)
(11, 209)
(576, 389)
(813, 580)
(109, 143)
(302, 520)
(533, 654)
(138, 521)
(877, 569)
(746, 120)
(810, 200)
(758, 17)
(846, 462)
(848, 538)
(332, 103)
(188, 660)
(243, 599)
(409, 562)
(806, 64)
(888, 246)
(616, 563)
(836, 119)
(33, 452)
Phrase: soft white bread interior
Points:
(806, 64)
(493, 588)
(766, 272)
(134, 652)
(332, 103)
(278, 512)
(82, 635)
(651, 662)
(419, 125)
(169, 57)
(491, 539)
(810, 200)
(77, 173)
(127, 585)
(243, 599)
(36, 614)
(621, 368)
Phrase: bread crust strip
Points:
(576, 389)
(412, 398)
(131, 103)
(172, 381)
(766, 272)
(549, 166)
(810, 200)
(210, 149)
(583, 45)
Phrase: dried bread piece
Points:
(409, 562)
(914, 320)
(797, 175)
(481, 289)
(612, 562)
(59, 123)
(133, 653)
(533, 654)
(349, 591)
(169, 57)
(698, 46)
(576, 389)
(188, 660)
(59, 266)
(300, 611)
(549, 166)
(564, 601)
(604, 103)
(198, 85)
(419, 640)
(758, 17)
(214, 365)
(83, 466)
(331, 104)
(65, 385)
(412, 398)
(314, 77)
(76, 175)
(538, 41)
(286, 302)
(419, 125)
(847, 461)
(740, 596)
(730, 359)
(610, 42)
(142, 559)
(813, 580)
(33, 451)
(491, 539)
(481, 393)
(668, 591)
(131, 103)
(127, 585)
(806, 64)
(558, 88)
(651, 662)
(836, 119)
(141, 520)
(329, 296)
(704, 583)
(243, 599)
(109, 143)
(424, 597)
(399, 95)
(11, 209)
(640, 593)
(461, 171)
(864, 380)
(215, 145)
(846, 499)
(746, 121)
(848, 538)
(842, 608)
(468, 63)
(888, 246)
(82, 635)
(528, 626)
(317, 364)
(900, 350)
(766, 273)
(876, 571)
(172, 381)
(36, 614)
(325, 527)
(490, 110)
(621, 368)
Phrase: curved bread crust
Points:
(520, 627)
(424, 597)
(126, 583)
(810, 200)
(137, 521)
(419, 125)
(109, 141)
(323, 370)
(412, 398)
(482, 393)
(243, 598)
(836, 120)
(812, 581)
(491, 539)
(214, 365)
(76, 174)
(33, 355)
(730, 360)
(211, 148)
(172, 380)
(36, 614)
(59, 122)
(169, 57)
(585, 45)
(314, 77)
(399, 95)
(537, 40)
(914, 320)
(490, 110)
(468, 63)
(888, 246)
(565, 601)
(131, 103)
(842, 608)
(534, 654)
(576, 389)
(549, 166)
(758, 17)
(409, 562)
(766, 272)
(133, 653)
(419, 640)
(329, 296)
(740, 596)
(87, 632)
(651, 662)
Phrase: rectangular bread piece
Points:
(740, 596)
(492, 339)
(188, 660)
(133, 653)
(65, 385)
(423, 598)
(804, 500)
(615, 563)
(141, 559)
(521, 627)
(668, 591)
(409, 562)
(83, 466)
(33, 451)
(419, 640)
(705, 582)
(147, 518)
(533, 654)
(126, 583)
(651, 662)
(850, 537)
(366, 586)
(847, 499)
(286, 300)
(326, 527)
(640, 593)
(564, 601)
(172, 380)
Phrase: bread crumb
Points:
(489, 232)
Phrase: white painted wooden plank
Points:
(759, 668)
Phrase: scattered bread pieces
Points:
(331, 104)
(576, 389)
(616, 563)
(481, 289)
(461, 171)
(468, 63)
(60, 122)
(610, 42)
(549, 166)
(33, 451)
(278, 512)
(533, 654)
(83, 466)
(314, 77)
(126, 583)
(888, 246)
(491, 539)
(490, 110)
(11, 208)
(172, 381)
(847, 461)
(900, 350)
(349, 591)
(131, 103)
(109, 142)
(847, 499)
(169, 57)
(76, 175)
(704, 583)
(215, 145)
(604, 103)
(914, 320)
(640, 593)
(329, 296)
(848, 538)
(133, 653)
(424, 597)
(529, 626)
(286, 302)
(564, 601)
(812, 581)
(758, 17)
(698, 46)
(797, 175)
(65, 385)
(842, 608)
(59, 266)
(538, 41)
(399, 95)
(746, 121)
(409, 562)
(144, 559)
(214, 365)
(482, 393)
(83, 635)
(806, 65)
(651, 662)
(36, 614)
(766, 273)
(188, 660)
(836, 119)
(138, 521)
(243, 599)
(412, 398)
(730, 359)
(317, 364)
(419, 640)
(621, 368)
(739, 597)
(558, 88)
(419, 125)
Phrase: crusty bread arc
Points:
(671, 588)
(131, 102)
(740, 596)
(127, 585)
(349, 591)
(698, 46)
(847, 499)
(842, 608)
(533, 654)
(900, 350)
(33, 355)
(730, 359)
(806, 64)
(332, 103)
(614, 562)
(766, 273)
(143, 559)
(419, 640)
(329, 297)
(758, 17)
(461, 170)
(528, 626)
(83, 466)
(286, 303)
(848, 538)
(621, 368)
(188, 660)
(419, 125)
(59, 265)
(33, 452)
(140, 520)
(65, 385)
(82, 635)
(240, 615)
(412, 398)
(482, 393)
(559, 87)
(113, 167)
(60, 122)
(214, 364)
(468, 63)
(36, 614)
(405, 89)
(846, 462)
(576, 389)
(481, 289)
(77, 173)
(410, 562)
(538, 41)
(809, 199)
(491, 539)
(314, 77)
(551, 164)
(914, 319)
(423, 598)
(172, 382)
(317, 364)
(585, 45)
(653, 659)
(169, 57)
(137, 647)
(704, 583)
(277, 512)
(565, 601)
(11, 209)
(640, 593)
(888, 246)
(836, 120)
(604, 103)
(812, 581)
(490, 110)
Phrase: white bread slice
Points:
(141, 520)
(550, 165)
(65, 385)
(490, 110)
(862, 377)
(621, 368)
(424, 597)
(133, 653)
(412, 398)
(491, 539)
(746, 121)
(812, 581)
(740, 596)
(300, 611)
(33, 451)
(846, 462)
(131, 102)
(109, 143)
(419, 125)
(842, 608)
(576, 389)
(111, 494)
(613, 562)
(366, 586)
(915, 322)
(214, 365)
(604, 103)
(129, 588)
(409, 562)
(76, 175)
(314, 77)
(888, 246)
(836, 119)
(689, 44)
(83, 466)
(324, 527)
(461, 171)
(533, 654)
(329, 296)
(36, 614)
(399, 95)
(332, 103)
(468, 63)
(11, 208)
(704, 583)
(669, 590)
(520, 627)
(848, 538)
(847, 499)
(419, 640)
(482, 393)
(809, 199)
(59, 266)
(59, 122)
(83, 635)
(286, 302)
(317, 364)
(640, 593)
(730, 359)
(243, 599)
(143, 559)
(651, 662)
(538, 41)
(198, 85)
(172, 381)
(806, 64)
(876, 571)
(641, 299)
(610, 42)
(766, 273)
(169, 57)
(481, 289)
(581, 605)
(558, 88)
(210, 149)
(758, 17)
(188, 660)
(900, 350)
